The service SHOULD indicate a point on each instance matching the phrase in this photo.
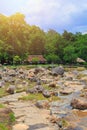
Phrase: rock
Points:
(46, 93)
(21, 71)
(53, 119)
(58, 71)
(12, 73)
(42, 104)
(20, 127)
(39, 70)
(5, 111)
(79, 104)
(52, 84)
(38, 82)
(0, 76)
(11, 89)
(31, 90)
(2, 83)
(31, 75)
(66, 91)
(79, 60)
(0, 65)
(33, 79)
(39, 88)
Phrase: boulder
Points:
(38, 82)
(66, 91)
(79, 104)
(52, 84)
(42, 104)
(2, 83)
(46, 93)
(39, 88)
(12, 73)
(31, 90)
(58, 71)
(11, 89)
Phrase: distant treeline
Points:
(18, 40)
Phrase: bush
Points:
(35, 60)
(53, 58)
(16, 60)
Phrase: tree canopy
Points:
(18, 40)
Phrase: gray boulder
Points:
(58, 71)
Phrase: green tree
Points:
(69, 54)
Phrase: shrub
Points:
(16, 60)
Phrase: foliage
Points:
(35, 60)
(36, 97)
(69, 54)
(16, 60)
(18, 40)
(3, 127)
(1, 105)
(53, 58)
(12, 117)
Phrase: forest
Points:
(18, 40)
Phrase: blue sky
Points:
(59, 15)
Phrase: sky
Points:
(60, 15)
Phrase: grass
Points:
(64, 123)
(3, 127)
(6, 119)
(1, 105)
(36, 97)
(81, 68)
(3, 92)
(81, 76)
(12, 117)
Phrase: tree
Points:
(69, 54)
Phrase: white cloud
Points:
(53, 12)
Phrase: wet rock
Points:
(46, 93)
(58, 71)
(79, 104)
(11, 89)
(42, 104)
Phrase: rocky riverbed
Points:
(67, 85)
